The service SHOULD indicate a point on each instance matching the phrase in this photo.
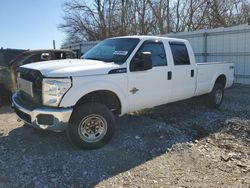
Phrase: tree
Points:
(99, 19)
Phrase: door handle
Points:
(134, 90)
(169, 75)
(192, 73)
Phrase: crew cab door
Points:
(184, 72)
(151, 87)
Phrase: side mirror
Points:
(141, 62)
(45, 56)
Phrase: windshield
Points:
(112, 50)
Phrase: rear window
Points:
(180, 53)
(63, 55)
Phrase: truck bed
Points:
(208, 72)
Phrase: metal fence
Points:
(222, 44)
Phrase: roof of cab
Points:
(52, 50)
(148, 37)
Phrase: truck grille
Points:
(36, 78)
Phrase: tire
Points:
(216, 96)
(91, 126)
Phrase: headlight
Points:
(54, 89)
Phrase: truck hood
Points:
(72, 67)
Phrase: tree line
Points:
(99, 19)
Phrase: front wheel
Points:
(216, 96)
(91, 126)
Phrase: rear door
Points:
(183, 72)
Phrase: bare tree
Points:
(161, 12)
(99, 19)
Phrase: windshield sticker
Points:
(120, 53)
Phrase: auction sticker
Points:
(120, 53)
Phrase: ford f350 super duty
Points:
(118, 76)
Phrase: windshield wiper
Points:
(104, 60)
(92, 58)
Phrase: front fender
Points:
(83, 85)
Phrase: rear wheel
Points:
(216, 96)
(91, 126)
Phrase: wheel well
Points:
(108, 98)
(221, 80)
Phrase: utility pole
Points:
(54, 44)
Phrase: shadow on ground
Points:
(5, 103)
(30, 157)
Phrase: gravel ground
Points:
(184, 144)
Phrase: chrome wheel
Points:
(218, 96)
(92, 128)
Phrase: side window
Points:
(62, 55)
(157, 51)
(37, 57)
(27, 61)
(180, 53)
(58, 55)
(34, 58)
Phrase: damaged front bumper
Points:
(55, 119)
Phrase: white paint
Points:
(153, 86)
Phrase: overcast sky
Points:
(30, 24)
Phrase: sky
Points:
(30, 24)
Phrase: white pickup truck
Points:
(118, 76)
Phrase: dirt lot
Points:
(184, 144)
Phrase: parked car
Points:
(117, 76)
(8, 72)
(6, 55)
